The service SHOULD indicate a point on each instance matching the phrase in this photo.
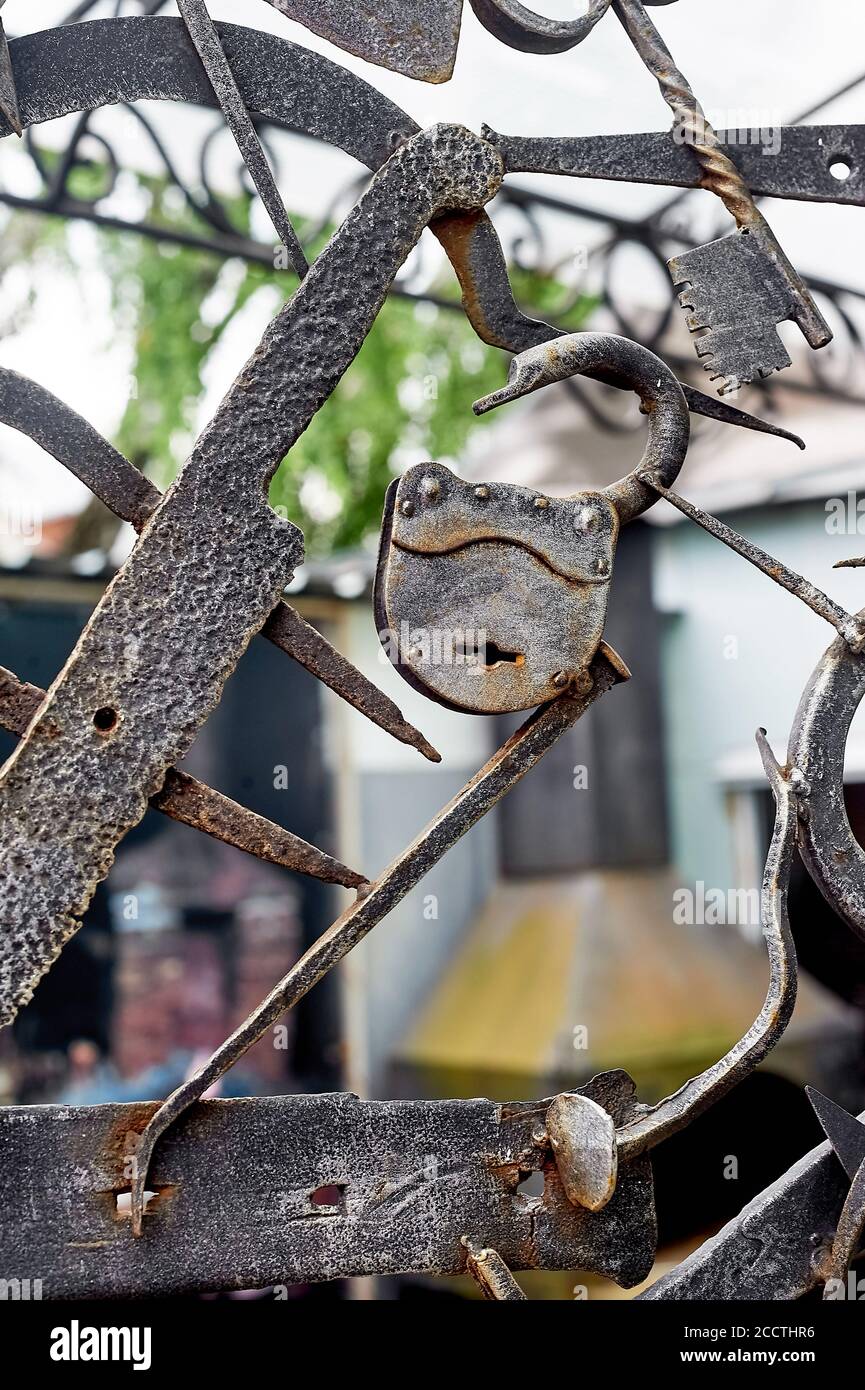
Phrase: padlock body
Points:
(492, 598)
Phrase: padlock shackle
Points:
(618, 361)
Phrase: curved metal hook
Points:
(588, 1154)
(677, 1111)
(511, 23)
(829, 849)
(623, 363)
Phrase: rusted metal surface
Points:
(491, 1274)
(522, 578)
(210, 565)
(414, 1177)
(185, 799)
(415, 37)
(624, 364)
(521, 28)
(515, 583)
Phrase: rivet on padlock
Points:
(492, 598)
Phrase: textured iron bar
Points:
(491, 1274)
(848, 1235)
(506, 767)
(829, 849)
(294, 636)
(60, 431)
(185, 799)
(236, 1204)
(208, 45)
(851, 628)
(802, 168)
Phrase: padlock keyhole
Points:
(493, 654)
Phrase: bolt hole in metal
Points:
(328, 1200)
(840, 168)
(123, 1202)
(532, 1185)
(106, 719)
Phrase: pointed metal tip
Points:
(718, 409)
(420, 743)
(845, 1133)
(771, 766)
(495, 398)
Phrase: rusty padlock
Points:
(492, 598)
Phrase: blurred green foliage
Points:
(406, 397)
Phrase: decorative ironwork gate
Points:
(430, 1186)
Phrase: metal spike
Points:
(715, 409)
(208, 45)
(185, 799)
(43, 417)
(845, 1133)
(288, 631)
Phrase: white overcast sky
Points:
(758, 60)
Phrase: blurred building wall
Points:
(737, 651)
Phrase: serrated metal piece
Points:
(735, 291)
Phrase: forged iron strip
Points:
(101, 742)
(800, 165)
(306, 1188)
(203, 33)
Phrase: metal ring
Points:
(513, 24)
(831, 853)
(621, 362)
